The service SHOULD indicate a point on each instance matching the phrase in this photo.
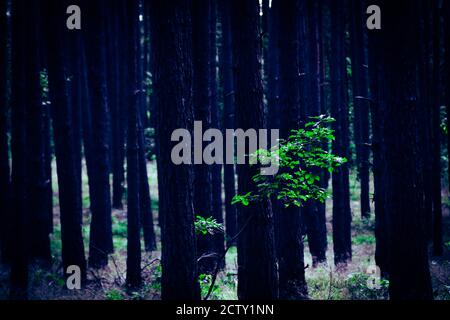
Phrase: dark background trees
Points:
(74, 104)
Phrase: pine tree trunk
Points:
(226, 78)
(360, 103)
(436, 132)
(257, 273)
(202, 112)
(378, 109)
(172, 61)
(216, 169)
(39, 180)
(314, 211)
(339, 110)
(70, 203)
(22, 78)
(100, 233)
(134, 278)
(5, 179)
(409, 276)
(290, 256)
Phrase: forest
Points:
(254, 150)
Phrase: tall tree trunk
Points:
(70, 203)
(116, 105)
(360, 102)
(5, 179)
(144, 195)
(409, 276)
(311, 51)
(172, 60)
(22, 81)
(226, 78)
(36, 124)
(436, 131)
(101, 230)
(216, 169)
(290, 256)
(201, 47)
(134, 277)
(257, 271)
(378, 109)
(339, 110)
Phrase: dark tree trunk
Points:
(134, 278)
(116, 105)
(202, 112)
(36, 118)
(70, 203)
(5, 179)
(273, 69)
(436, 132)
(360, 102)
(339, 110)
(257, 272)
(446, 10)
(100, 233)
(144, 195)
(22, 80)
(409, 276)
(226, 78)
(216, 169)
(172, 58)
(378, 109)
(290, 256)
(313, 212)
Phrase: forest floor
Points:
(325, 282)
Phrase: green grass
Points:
(363, 239)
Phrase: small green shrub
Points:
(358, 289)
(364, 239)
(114, 294)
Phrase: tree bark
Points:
(172, 59)
(226, 78)
(257, 273)
(100, 243)
(339, 110)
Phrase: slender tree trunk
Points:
(216, 169)
(36, 143)
(116, 103)
(172, 60)
(22, 79)
(378, 110)
(70, 203)
(100, 233)
(436, 131)
(201, 47)
(226, 77)
(290, 256)
(339, 110)
(5, 179)
(360, 102)
(144, 195)
(134, 278)
(257, 272)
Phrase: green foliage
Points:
(204, 226)
(224, 288)
(119, 227)
(301, 159)
(150, 143)
(114, 294)
(363, 239)
(359, 290)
